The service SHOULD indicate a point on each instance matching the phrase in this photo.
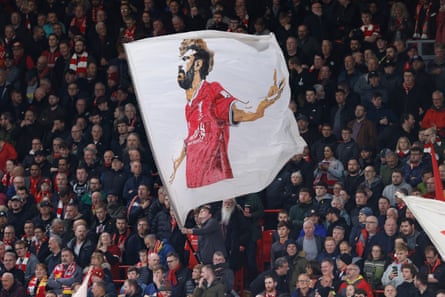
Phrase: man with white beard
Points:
(235, 232)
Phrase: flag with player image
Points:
(215, 107)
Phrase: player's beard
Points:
(226, 213)
(185, 79)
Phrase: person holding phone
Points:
(393, 273)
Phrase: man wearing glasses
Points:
(353, 277)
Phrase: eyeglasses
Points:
(370, 222)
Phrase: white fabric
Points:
(430, 214)
(244, 66)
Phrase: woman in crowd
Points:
(374, 267)
(329, 170)
(403, 149)
(37, 284)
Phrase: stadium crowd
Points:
(80, 195)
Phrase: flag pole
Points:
(437, 181)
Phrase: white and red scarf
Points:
(21, 263)
(37, 287)
(59, 209)
(61, 272)
(79, 63)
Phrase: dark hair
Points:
(204, 56)
(411, 267)
(283, 224)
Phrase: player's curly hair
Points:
(202, 52)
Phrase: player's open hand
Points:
(276, 89)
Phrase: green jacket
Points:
(298, 212)
(216, 289)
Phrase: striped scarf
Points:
(61, 272)
(7, 179)
(38, 243)
(37, 287)
(59, 209)
(21, 264)
(79, 63)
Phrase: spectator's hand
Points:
(201, 283)
(146, 204)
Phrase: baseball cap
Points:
(373, 74)
(46, 203)
(313, 213)
(334, 210)
(3, 213)
(116, 157)
(389, 63)
(417, 58)
(206, 206)
(40, 153)
(16, 198)
(346, 258)
(366, 211)
(302, 117)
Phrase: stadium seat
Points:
(263, 249)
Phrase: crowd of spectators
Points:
(80, 194)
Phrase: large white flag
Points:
(215, 107)
(430, 214)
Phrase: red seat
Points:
(263, 249)
(378, 293)
(239, 280)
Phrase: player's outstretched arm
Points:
(176, 163)
(273, 95)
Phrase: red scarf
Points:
(79, 63)
(157, 248)
(173, 222)
(128, 34)
(27, 22)
(52, 57)
(61, 272)
(37, 287)
(402, 154)
(406, 88)
(94, 10)
(34, 185)
(434, 267)
(21, 264)
(7, 179)
(119, 239)
(40, 195)
(9, 242)
(80, 23)
(59, 209)
(172, 275)
(38, 244)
